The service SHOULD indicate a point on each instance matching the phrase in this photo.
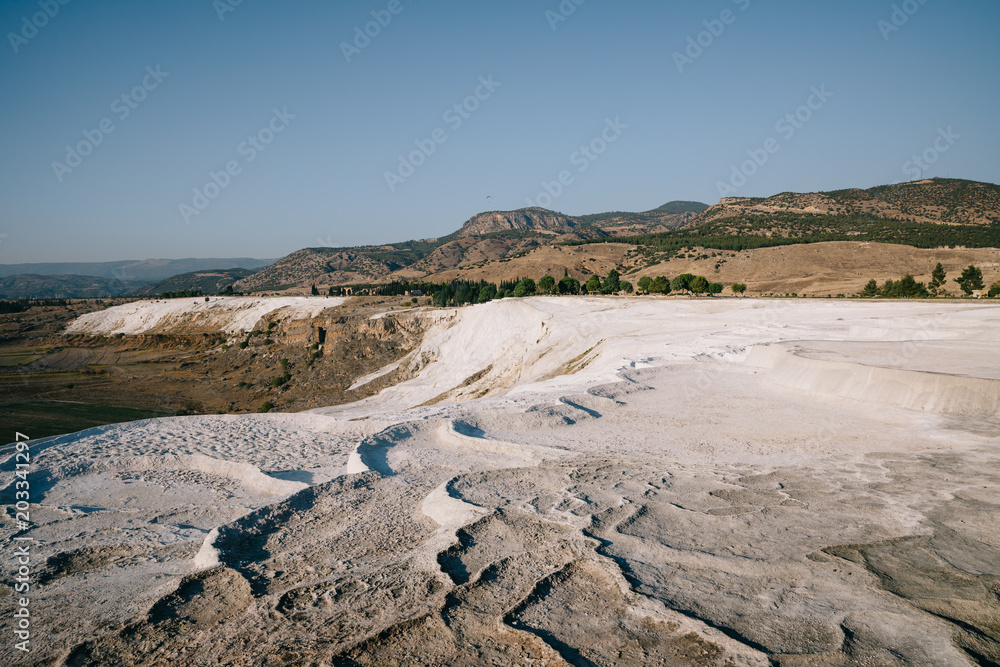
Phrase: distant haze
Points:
(149, 270)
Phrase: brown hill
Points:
(820, 269)
(555, 260)
(814, 269)
(523, 220)
(471, 251)
(318, 265)
(501, 245)
(668, 217)
(496, 235)
(208, 282)
(936, 200)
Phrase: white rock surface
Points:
(562, 481)
(228, 314)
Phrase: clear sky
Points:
(311, 116)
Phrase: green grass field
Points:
(40, 419)
(18, 359)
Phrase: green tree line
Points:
(970, 280)
(748, 232)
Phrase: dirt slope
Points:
(816, 269)
(580, 261)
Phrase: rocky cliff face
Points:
(524, 220)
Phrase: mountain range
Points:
(35, 286)
(148, 277)
(132, 270)
(926, 214)
(502, 245)
(484, 238)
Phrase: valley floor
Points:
(586, 481)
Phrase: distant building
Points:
(415, 292)
(977, 294)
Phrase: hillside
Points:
(502, 245)
(523, 220)
(670, 216)
(936, 200)
(748, 230)
(208, 282)
(31, 286)
(336, 266)
(821, 269)
(813, 269)
(486, 237)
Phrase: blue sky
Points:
(592, 93)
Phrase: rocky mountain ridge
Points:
(495, 237)
(490, 236)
